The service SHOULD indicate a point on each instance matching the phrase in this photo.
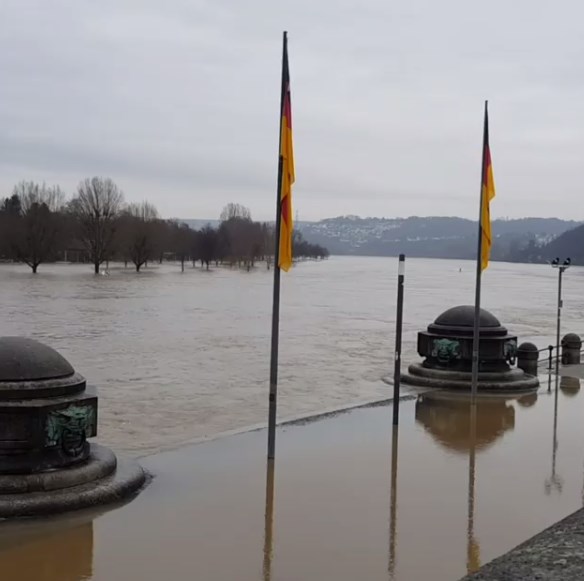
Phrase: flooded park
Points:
(180, 363)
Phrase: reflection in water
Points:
(570, 386)
(473, 558)
(61, 556)
(526, 401)
(393, 504)
(459, 424)
(269, 522)
(449, 420)
(554, 481)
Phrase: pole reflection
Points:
(473, 560)
(393, 505)
(554, 481)
(269, 522)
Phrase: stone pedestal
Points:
(447, 347)
(47, 415)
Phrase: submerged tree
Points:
(140, 233)
(181, 240)
(96, 209)
(208, 244)
(33, 232)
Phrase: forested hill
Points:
(431, 237)
(569, 244)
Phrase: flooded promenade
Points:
(341, 505)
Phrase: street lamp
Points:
(561, 269)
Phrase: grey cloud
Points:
(177, 101)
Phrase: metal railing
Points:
(551, 358)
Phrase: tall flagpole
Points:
(273, 397)
(477, 310)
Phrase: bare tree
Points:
(30, 194)
(233, 211)
(140, 233)
(182, 242)
(97, 206)
(10, 211)
(208, 244)
(268, 243)
(33, 233)
(11, 205)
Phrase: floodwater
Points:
(346, 500)
(178, 357)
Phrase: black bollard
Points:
(571, 346)
(527, 357)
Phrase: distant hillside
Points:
(522, 240)
(430, 237)
(568, 244)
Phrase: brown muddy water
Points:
(457, 490)
(178, 357)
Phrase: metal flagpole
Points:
(477, 310)
(273, 404)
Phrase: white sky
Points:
(177, 101)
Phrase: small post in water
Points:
(398, 336)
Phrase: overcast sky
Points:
(177, 101)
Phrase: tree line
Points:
(38, 224)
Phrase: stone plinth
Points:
(447, 345)
(47, 415)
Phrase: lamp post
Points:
(561, 269)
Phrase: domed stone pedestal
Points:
(46, 416)
(447, 350)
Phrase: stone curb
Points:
(556, 554)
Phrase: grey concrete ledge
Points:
(126, 481)
(556, 554)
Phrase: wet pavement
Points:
(346, 499)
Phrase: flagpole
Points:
(273, 397)
(477, 310)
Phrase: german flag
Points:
(487, 194)
(287, 168)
